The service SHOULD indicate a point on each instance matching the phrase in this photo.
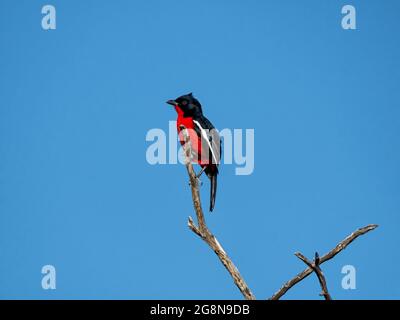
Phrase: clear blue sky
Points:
(76, 103)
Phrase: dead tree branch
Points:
(341, 246)
(205, 234)
(202, 230)
(315, 266)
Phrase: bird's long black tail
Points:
(213, 191)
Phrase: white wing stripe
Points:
(205, 137)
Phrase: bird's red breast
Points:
(195, 140)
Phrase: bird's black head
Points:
(186, 104)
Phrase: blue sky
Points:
(76, 103)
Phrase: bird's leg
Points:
(198, 176)
(201, 172)
(198, 181)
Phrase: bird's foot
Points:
(199, 182)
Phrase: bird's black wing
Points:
(209, 137)
(210, 143)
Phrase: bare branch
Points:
(193, 227)
(205, 234)
(315, 266)
(202, 230)
(341, 246)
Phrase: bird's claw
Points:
(199, 182)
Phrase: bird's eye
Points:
(184, 103)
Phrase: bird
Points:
(205, 139)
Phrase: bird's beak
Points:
(172, 102)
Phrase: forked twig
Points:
(339, 247)
(315, 266)
(205, 234)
